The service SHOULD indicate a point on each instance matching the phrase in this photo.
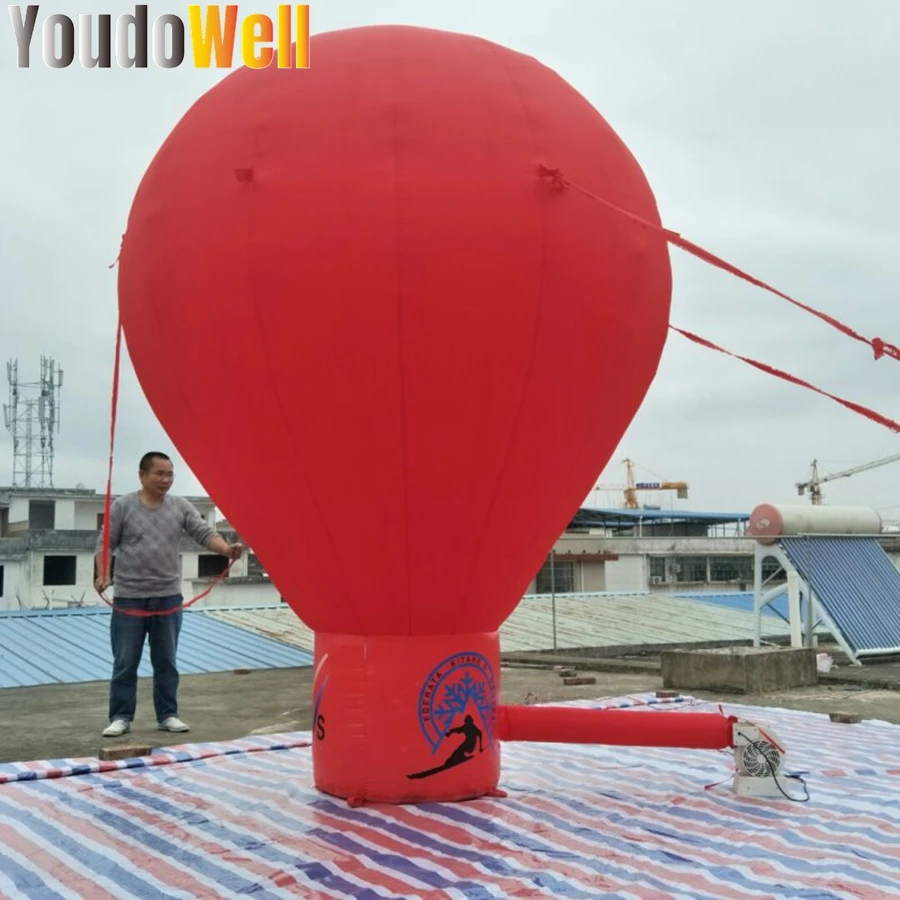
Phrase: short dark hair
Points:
(147, 460)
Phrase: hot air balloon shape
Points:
(429, 351)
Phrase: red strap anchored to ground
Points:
(879, 346)
(104, 558)
(104, 564)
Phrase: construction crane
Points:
(632, 487)
(816, 481)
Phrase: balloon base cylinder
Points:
(405, 719)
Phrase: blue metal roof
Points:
(740, 600)
(614, 517)
(856, 585)
(72, 645)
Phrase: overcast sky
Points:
(769, 132)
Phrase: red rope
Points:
(560, 182)
(104, 562)
(862, 410)
(143, 613)
(107, 504)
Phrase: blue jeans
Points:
(127, 635)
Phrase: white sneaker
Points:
(172, 723)
(117, 728)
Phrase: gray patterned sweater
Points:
(146, 543)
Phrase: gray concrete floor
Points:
(59, 721)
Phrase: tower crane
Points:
(631, 487)
(816, 480)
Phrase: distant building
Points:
(650, 550)
(660, 552)
(48, 538)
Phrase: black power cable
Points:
(761, 749)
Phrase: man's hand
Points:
(234, 551)
(219, 545)
(101, 583)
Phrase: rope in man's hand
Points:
(102, 584)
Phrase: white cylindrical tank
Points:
(769, 521)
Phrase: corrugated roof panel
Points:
(69, 646)
(582, 620)
(857, 585)
(279, 623)
(207, 645)
(625, 620)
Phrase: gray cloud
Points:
(768, 131)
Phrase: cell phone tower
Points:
(32, 417)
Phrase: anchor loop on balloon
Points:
(553, 176)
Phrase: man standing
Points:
(145, 529)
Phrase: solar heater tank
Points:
(769, 522)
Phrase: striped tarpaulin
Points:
(243, 819)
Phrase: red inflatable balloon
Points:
(394, 354)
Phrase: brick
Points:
(845, 718)
(581, 679)
(124, 751)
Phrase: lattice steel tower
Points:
(32, 417)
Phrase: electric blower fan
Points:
(758, 761)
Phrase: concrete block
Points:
(739, 670)
(567, 673)
(845, 718)
(581, 679)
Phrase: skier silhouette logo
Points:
(472, 737)
(457, 698)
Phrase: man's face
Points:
(158, 479)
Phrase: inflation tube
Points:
(709, 731)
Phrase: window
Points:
(771, 570)
(210, 564)
(42, 514)
(731, 568)
(702, 569)
(1, 581)
(556, 577)
(59, 570)
(690, 568)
